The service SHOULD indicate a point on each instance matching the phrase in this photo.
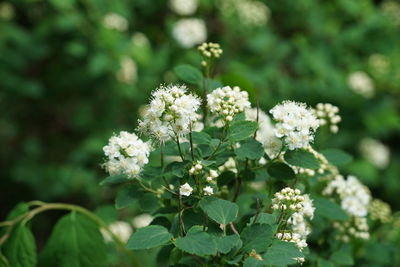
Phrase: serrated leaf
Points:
(251, 149)
(337, 157)
(257, 237)
(75, 241)
(114, 179)
(201, 138)
(329, 209)
(220, 210)
(20, 247)
(281, 171)
(226, 243)
(301, 158)
(198, 243)
(149, 237)
(281, 253)
(188, 73)
(240, 130)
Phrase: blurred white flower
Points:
(128, 71)
(375, 152)
(379, 63)
(115, 21)
(183, 7)
(6, 11)
(142, 220)
(189, 32)
(121, 229)
(361, 84)
(140, 39)
(249, 12)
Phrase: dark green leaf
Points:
(198, 243)
(325, 263)
(226, 243)
(115, 179)
(337, 157)
(240, 130)
(257, 237)
(329, 209)
(20, 247)
(201, 138)
(149, 237)
(301, 158)
(253, 262)
(343, 256)
(220, 210)
(281, 253)
(282, 171)
(188, 74)
(251, 149)
(264, 218)
(127, 196)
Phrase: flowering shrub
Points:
(224, 184)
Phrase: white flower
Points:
(185, 190)
(229, 165)
(183, 7)
(208, 190)
(375, 152)
(288, 198)
(170, 114)
(121, 229)
(296, 124)
(189, 32)
(361, 84)
(328, 115)
(142, 220)
(227, 102)
(115, 21)
(128, 71)
(126, 154)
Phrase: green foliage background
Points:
(60, 99)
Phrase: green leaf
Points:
(149, 237)
(75, 241)
(198, 243)
(220, 210)
(3, 261)
(343, 256)
(148, 202)
(201, 138)
(253, 262)
(257, 237)
(281, 253)
(107, 213)
(115, 179)
(226, 243)
(18, 210)
(188, 74)
(20, 247)
(301, 158)
(127, 196)
(177, 168)
(240, 130)
(325, 263)
(264, 218)
(251, 149)
(329, 209)
(337, 157)
(280, 170)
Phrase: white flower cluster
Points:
(249, 12)
(288, 199)
(298, 220)
(128, 71)
(354, 196)
(357, 227)
(327, 114)
(189, 32)
(185, 190)
(115, 21)
(209, 51)
(375, 152)
(121, 229)
(227, 102)
(197, 168)
(183, 7)
(296, 124)
(126, 154)
(266, 132)
(380, 210)
(361, 84)
(171, 113)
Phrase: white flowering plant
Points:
(220, 183)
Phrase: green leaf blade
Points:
(301, 158)
(221, 211)
(149, 237)
(188, 74)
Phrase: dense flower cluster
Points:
(361, 84)
(356, 227)
(379, 210)
(115, 21)
(354, 196)
(126, 154)
(189, 32)
(209, 51)
(288, 199)
(249, 12)
(183, 7)
(375, 152)
(227, 101)
(296, 124)
(170, 114)
(327, 114)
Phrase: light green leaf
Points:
(198, 243)
(251, 149)
(188, 73)
(115, 179)
(301, 158)
(149, 237)
(20, 247)
(281, 171)
(220, 210)
(75, 241)
(257, 237)
(226, 243)
(329, 209)
(281, 253)
(337, 157)
(240, 130)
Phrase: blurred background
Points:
(72, 72)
